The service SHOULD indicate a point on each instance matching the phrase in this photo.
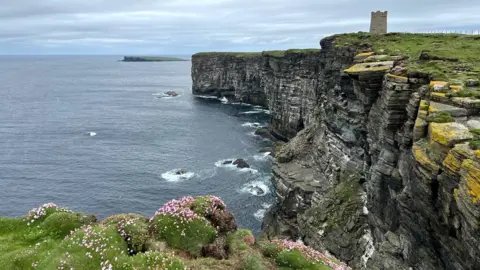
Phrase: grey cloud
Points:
(185, 25)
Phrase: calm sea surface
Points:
(92, 134)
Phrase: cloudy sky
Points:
(188, 26)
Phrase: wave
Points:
(256, 188)
(251, 124)
(231, 166)
(256, 110)
(172, 176)
(205, 97)
(91, 134)
(224, 100)
(260, 214)
(263, 156)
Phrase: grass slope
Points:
(51, 237)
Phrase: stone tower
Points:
(378, 23)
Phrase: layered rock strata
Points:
(383, 171)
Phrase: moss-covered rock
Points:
(134, 228)
(240, 240)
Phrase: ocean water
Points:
(95, 135)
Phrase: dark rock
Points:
(426, 56)
(264, 133)
(217, 250)
(171, 93)
(472, 83)
(240, 163)
(180, 172)
(223, 220)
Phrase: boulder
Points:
(217, 250)
(270, 150)
(224, 221)
(240, 163)
(472, 83)
(180, 172)
(171, 93)
(264, 133)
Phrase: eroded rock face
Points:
(284, 84)
(367, 177)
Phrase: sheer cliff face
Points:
(364, 176)
(286, 84)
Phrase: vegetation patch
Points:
(441, 48)
(441, 117)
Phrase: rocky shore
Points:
(382, 167)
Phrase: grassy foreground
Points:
(189, 233)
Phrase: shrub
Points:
(271, 250)
(60, 224)
(133, 228)
(252, 262)
(442, 117)
(42, 212)
(183, 228)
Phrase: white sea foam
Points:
(266, 205)
(224, 100)
(260, 214)
(231, 166)
(251, 124)
(241, 103)
(205, 97)
(91, 134)
(171, 176)
(262, 157)
(256, 110)
(256, 188)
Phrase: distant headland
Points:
(151, 59)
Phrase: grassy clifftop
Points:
(189, 233)
(276, 53)
(443, 56)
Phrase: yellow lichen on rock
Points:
(455, 194)
(422, 158)
(477, 153)
(398, 79)
(438, 83)
(370, 67)
(456, 88)
(437, 96)
(365, 54)
(472, 177)
(456, 156)
(449, 134)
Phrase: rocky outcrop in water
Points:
(381, 169)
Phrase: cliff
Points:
(283, 81)
(382, 167)
(151, 59)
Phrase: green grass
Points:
(465, 48)
(239, 240)
(61, 239)
(151, 59)
(442, 117)
(188, 236)
(273, 53)
(252, 262)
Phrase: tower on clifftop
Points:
(378, 23)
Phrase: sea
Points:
(99, 136)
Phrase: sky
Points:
(182, 27)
